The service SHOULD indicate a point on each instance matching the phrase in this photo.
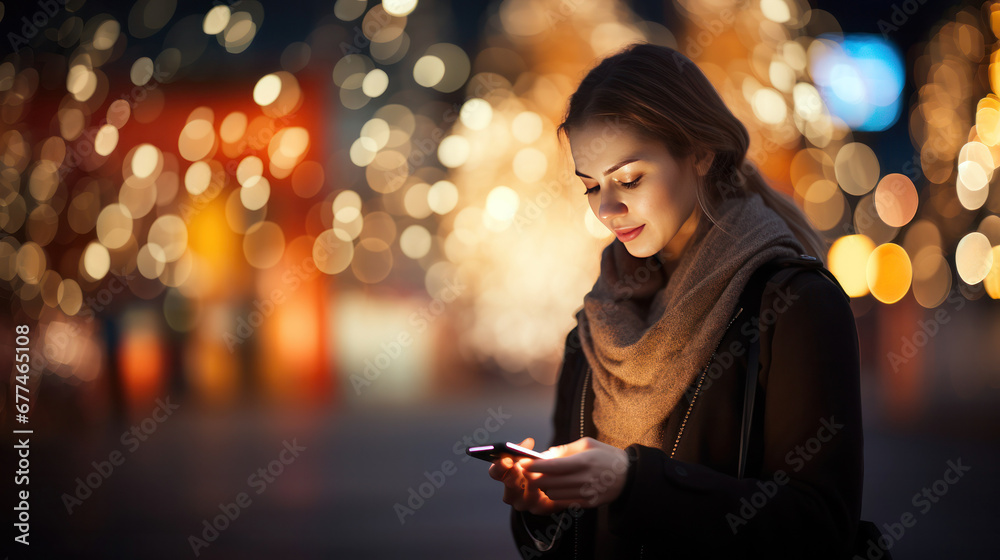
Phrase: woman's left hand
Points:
(586, 471)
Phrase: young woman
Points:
(645, 459)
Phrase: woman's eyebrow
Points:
(611, 169)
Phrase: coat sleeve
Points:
(806, 502)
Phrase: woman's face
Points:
(635, 187)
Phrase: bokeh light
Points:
(848, 261)
(889, 273)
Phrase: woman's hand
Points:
(586, 472)
(517, 491)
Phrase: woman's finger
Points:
(547, 483)
(571, 448)
(499, 469)
(564, 465)
(573, 493)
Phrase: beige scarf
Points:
(648, 337)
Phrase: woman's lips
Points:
(629, 234)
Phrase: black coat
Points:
(801, 494)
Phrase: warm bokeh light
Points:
(502, 203)
(476, 113)
(96, 261)
(527, 126)
(454, 151)
(399, 8)
(848, 261)
(114, 225)
(263, 244)
(428, 71)
(992, 280)
(267, 90)
(442, 197)
(857, 168)
(197, 177)
(931, 277)
(197, 140)
(31, 262)
(106, 140)
(889, 273)
(169, 234)
(145, 160)
(896, 199)
(216, 20)
(255, 193)
(973, 257)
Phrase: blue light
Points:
(860, 77)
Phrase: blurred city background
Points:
(281, 262)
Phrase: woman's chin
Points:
(639, 250)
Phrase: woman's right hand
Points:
(516, 490)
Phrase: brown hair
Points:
(658, 92)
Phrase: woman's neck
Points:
(671, 254)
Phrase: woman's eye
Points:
(591, 189)
(630, 184)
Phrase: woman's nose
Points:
(611, 206)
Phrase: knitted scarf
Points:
(647, 337)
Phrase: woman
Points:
(645, 456)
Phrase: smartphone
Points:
(496, 451)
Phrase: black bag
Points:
(869, 537)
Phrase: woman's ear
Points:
(703, 162)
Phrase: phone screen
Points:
(494, 451)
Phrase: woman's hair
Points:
(661, 94)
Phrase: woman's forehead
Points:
(598, 146)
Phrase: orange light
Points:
(889, 273)
(141, 360)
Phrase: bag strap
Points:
(775, 271)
